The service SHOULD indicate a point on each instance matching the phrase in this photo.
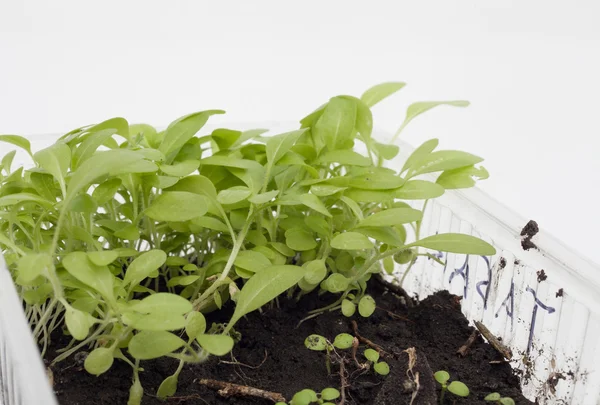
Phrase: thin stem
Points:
(234, 252)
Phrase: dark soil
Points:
(527, 233)
(272, 356)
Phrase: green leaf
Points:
(345, 157)
(336, 124)
(348, 308)
(55, 160)
(378, 180)
(443, 160)
(372, 355)
(337, 283)
(33, 265)
(168, 387)
(507, 401)
(83, 203)
(441, 376)
(103, 257)
(90, 145)
(98, 277)
(420, 153)
(494, 396)
(304, 397)
(325, 190)
(233, 195)
(456, 243)
(416, 109)
(380, 91)
(128, 232)
(316, 343)
(181, 169)
(100, 164)
(225, 138)
(78, 323)
(147, 345)
(177, 206)
(329, 394)
(354, 207)
(363, 196)
(461, 177)
(17, 140)
(315, 271)
(392, 216)
(119, 124)
(252, 261)
(217, 345)
(155, 321)
(387, 152)
(264, 197)
(12, 199)
(44, 185)
(351, 241)
(264, 287)
(143, 265)
(419, 190)
(343, 341)
(382, 368)
(299, 239)
(184, 129)
(99, 361)
(196, 184)
(195, 324)
(162, 302)
(312, 201)
(366, 306)
(385, 234)
(279, 145)
(458, 388)
(210, 223)
(106, 191)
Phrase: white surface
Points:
(530, 68)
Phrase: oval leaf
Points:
(456, 243)
(217, 345)
(143, 265)
(147, 345)
(264, 287)
(177, 206)
(380, 91)
(351, 241)
(393, 216)
(99, 361)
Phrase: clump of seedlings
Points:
(125, 237)
(496, 398)
(307, 396)
(455, 387)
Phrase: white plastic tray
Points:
(555, 339)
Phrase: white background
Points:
(530, 68)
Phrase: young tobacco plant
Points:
(126, 236)
(455, 387)
(496, 398)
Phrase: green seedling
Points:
(380, 367)
(498, 399)
(455, 387)
(307, 396)
(125, 236)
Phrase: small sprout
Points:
(316, 342)
(348, 308)
(382, 368)
(372, 355)
(329, 394)
(343, 341)
(455, 387)
(304, 397)
(498, 399)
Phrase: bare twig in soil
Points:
(367, 341)
(395, 316)
(464, 349)
(412, 362)
(344, 384)
(237, 363)
(396, 289)
(493, 340)
(232, 390)
(355, 343)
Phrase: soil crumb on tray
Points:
(271, 356)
